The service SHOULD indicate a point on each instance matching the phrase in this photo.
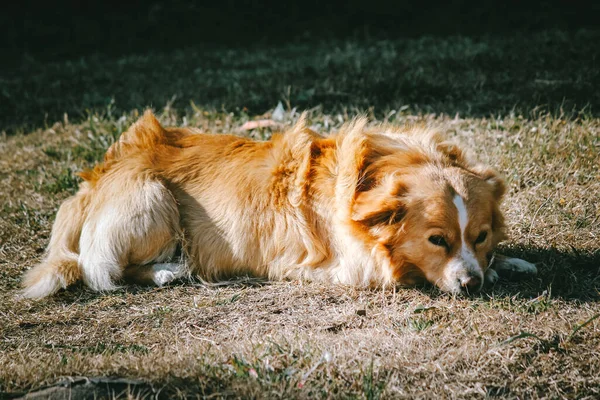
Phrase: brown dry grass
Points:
(294, 339)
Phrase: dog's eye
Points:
(438, 241)
(481, 237)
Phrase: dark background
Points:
(76, 27)
(470, 57)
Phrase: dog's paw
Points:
(163, 277)
(491, 277)
(512, 267)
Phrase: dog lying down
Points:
(367, 206)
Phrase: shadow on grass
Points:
(572, 275)
(91, 388)
(569, 275)
(473, 76)
(211, 385)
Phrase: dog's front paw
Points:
(514, 267)
(491, 277)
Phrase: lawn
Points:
(526, 105)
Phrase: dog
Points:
(368, 206)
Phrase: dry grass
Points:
(533, 339)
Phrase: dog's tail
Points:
(59, 268)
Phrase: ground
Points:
(524, 105)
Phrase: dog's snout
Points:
(470, 283)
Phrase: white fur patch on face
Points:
(464, 264)
(463, 217)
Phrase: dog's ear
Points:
(362, 191)
(382, 204)
(453, 153)
(493, 179)
(351, 154)
(498, 188)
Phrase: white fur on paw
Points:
(163, 277)
(519, 266)
(491, 276)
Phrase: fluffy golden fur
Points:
(367, 206)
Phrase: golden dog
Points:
(366, 206)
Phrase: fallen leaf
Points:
(261, 123)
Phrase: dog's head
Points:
(432, 213)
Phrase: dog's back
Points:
(222, 198)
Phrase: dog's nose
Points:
(470, 283)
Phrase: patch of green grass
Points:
(227, 301)
(536, 305)
(53, 152)
(419, 324)
(372, 386)
(63, 181)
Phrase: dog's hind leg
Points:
(135, 223)
(158, 274)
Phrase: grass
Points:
(532, 339)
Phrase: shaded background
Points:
(75, 56)
(76, 27)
